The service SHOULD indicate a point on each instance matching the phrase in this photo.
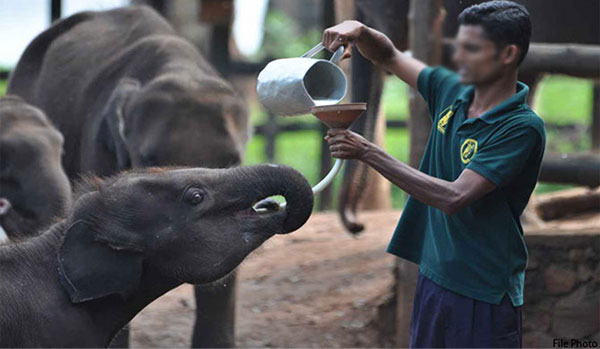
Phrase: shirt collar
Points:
(501, 110)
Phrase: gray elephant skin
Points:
(34, 189)
(126, 91)
(130, 239)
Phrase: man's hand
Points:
(345, 33)
(345, 144)
(374, 46)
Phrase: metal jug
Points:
(291, 86)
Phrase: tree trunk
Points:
(595, 131)
(377, 194)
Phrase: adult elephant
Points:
(126, 91)
(554, 21)
(34, 189)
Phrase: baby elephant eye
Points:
(193, 196)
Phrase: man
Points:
(461, 221)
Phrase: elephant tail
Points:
(350, 197)
(367, 86)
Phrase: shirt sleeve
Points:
(505, 155)
(434, 83)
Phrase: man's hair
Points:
(504, 23)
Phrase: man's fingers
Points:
(340, 148)
(333, 40)
(340, 155)
(347, 52)
(337, 139)
(325, 37)
(335, 131)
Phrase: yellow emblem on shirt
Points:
(468, 150)
(444, 117)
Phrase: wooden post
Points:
(572, 59)
(575, 168)
(328, 20)
(377, 193)
(55, 10)
(595, 131)
(425, 19)
(218, 13)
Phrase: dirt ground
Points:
(318, 287)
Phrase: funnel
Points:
(334, 116)
(339, 115)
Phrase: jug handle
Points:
(335, 58)
(337, 55)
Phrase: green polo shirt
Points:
(478, 252)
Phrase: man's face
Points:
(475, 56)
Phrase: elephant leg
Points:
(215, 314)
(367, 86)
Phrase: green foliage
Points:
(565, 143)
(542, 188)
(564, 100)
(283, 37)
(395, 99)
(2, 87)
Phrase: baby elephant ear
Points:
(91, 267)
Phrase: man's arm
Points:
(450, 197)
(376, 47)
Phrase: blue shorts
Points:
(443, 318)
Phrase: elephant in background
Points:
(130, 239)
(554, 21)
(34, 189)
(127, 92)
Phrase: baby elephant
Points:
(130, 239)
(34, 189)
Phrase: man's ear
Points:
(94, 264)
(510, 54)
(111, 130)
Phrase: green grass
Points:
(395, 99)
(564, 100)
(2, 87)
(542, 188)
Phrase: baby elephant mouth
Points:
(267, 213)
(264, 184)
(268, 205)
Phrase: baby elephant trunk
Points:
(264, 181)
